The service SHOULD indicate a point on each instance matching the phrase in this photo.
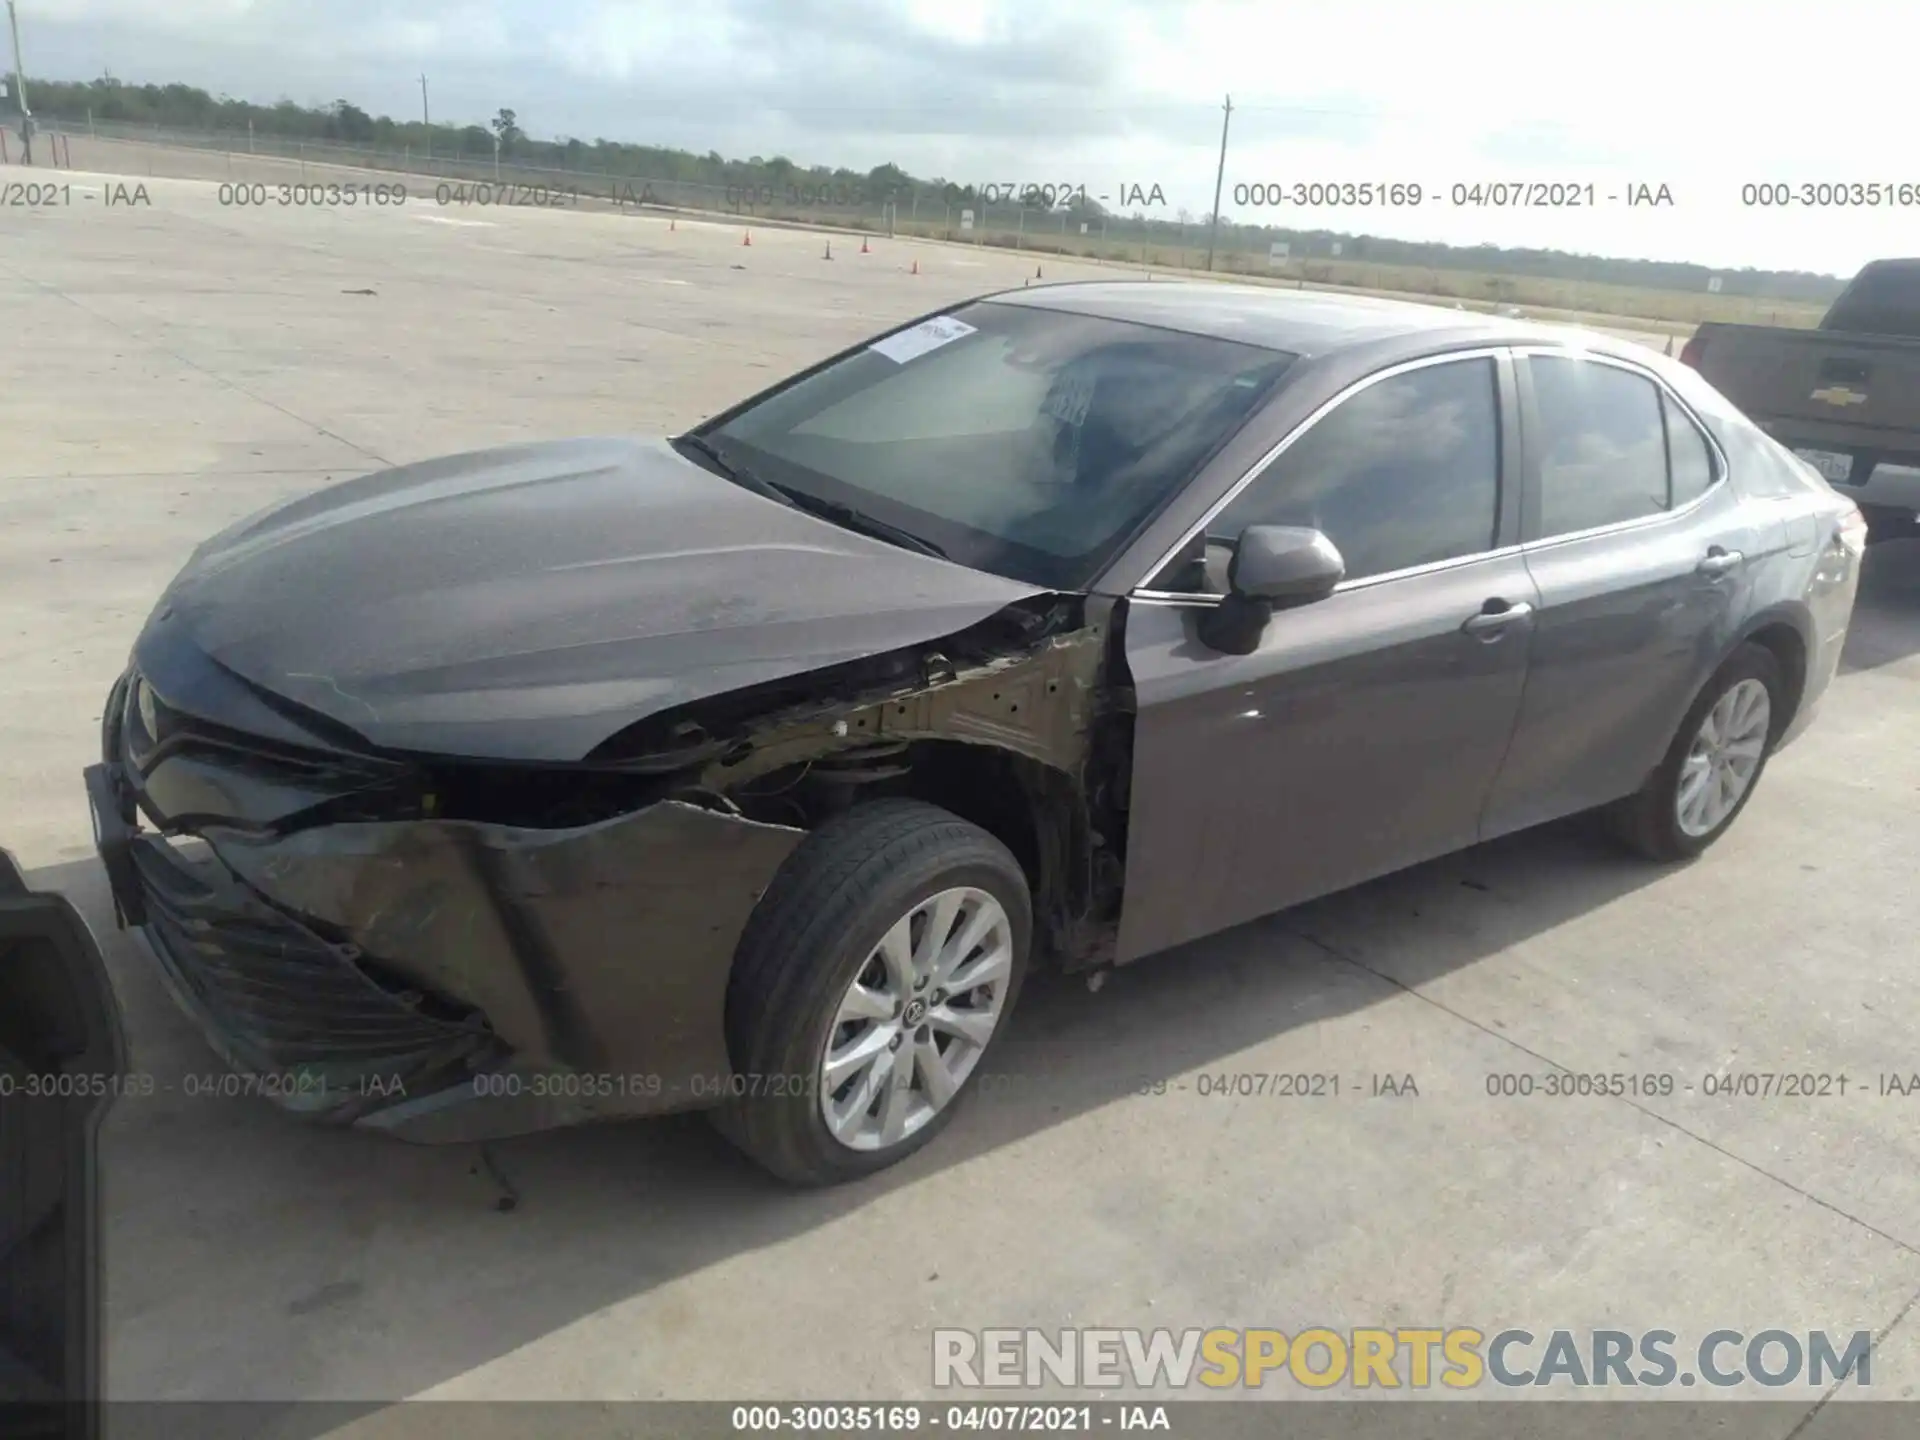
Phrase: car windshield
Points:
(1026, 441)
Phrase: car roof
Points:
(1306, 323)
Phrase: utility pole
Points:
(20, 85)
(1219, 176)
(425, 119)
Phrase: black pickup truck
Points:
(1845, 397)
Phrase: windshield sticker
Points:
(927, 335)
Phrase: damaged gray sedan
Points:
(751, 770)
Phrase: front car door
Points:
(1364, 731)
(1642, 554)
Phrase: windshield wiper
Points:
(734, 470)
(844, 514)
(834, 510)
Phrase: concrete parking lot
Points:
(169, 366)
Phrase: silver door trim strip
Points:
(1432, 567)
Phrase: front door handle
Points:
(1718, 562)
(1490, 624)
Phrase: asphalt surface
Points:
(172, 365)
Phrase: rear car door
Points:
(1363, 732)
(1642, 553)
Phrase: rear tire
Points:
(823, 944)
(1655, 820)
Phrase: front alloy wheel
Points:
(916, 1019)
(874, 974)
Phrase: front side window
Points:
(1603, 445)
(1025, 441)
(1404, 473)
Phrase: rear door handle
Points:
(1719, 562)
(1491, 624)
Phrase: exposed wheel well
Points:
(992, 788)
(1034, 809)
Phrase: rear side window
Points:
(1883, 299)
(1603, 445)
(1688, 458)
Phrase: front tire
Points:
(873, 976)
(1714, 763)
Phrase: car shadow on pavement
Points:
(251, 1256)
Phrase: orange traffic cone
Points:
(829, 254)
(916, 268)
(746, 237)
(863, 246)
(673, 224)
(1669, 347)
(1036, 272)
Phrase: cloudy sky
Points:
(1698, 95)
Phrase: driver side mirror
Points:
(1273, 567)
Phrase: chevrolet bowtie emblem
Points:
(1840, 395)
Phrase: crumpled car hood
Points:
(529, 602)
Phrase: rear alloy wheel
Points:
(1713, 765)
(875, 973)
(1724, 759)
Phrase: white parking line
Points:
(449, 220)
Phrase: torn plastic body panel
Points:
(457, 951)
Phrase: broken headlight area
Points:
(184, 772)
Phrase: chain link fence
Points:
(991, 216)
(926, 212)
